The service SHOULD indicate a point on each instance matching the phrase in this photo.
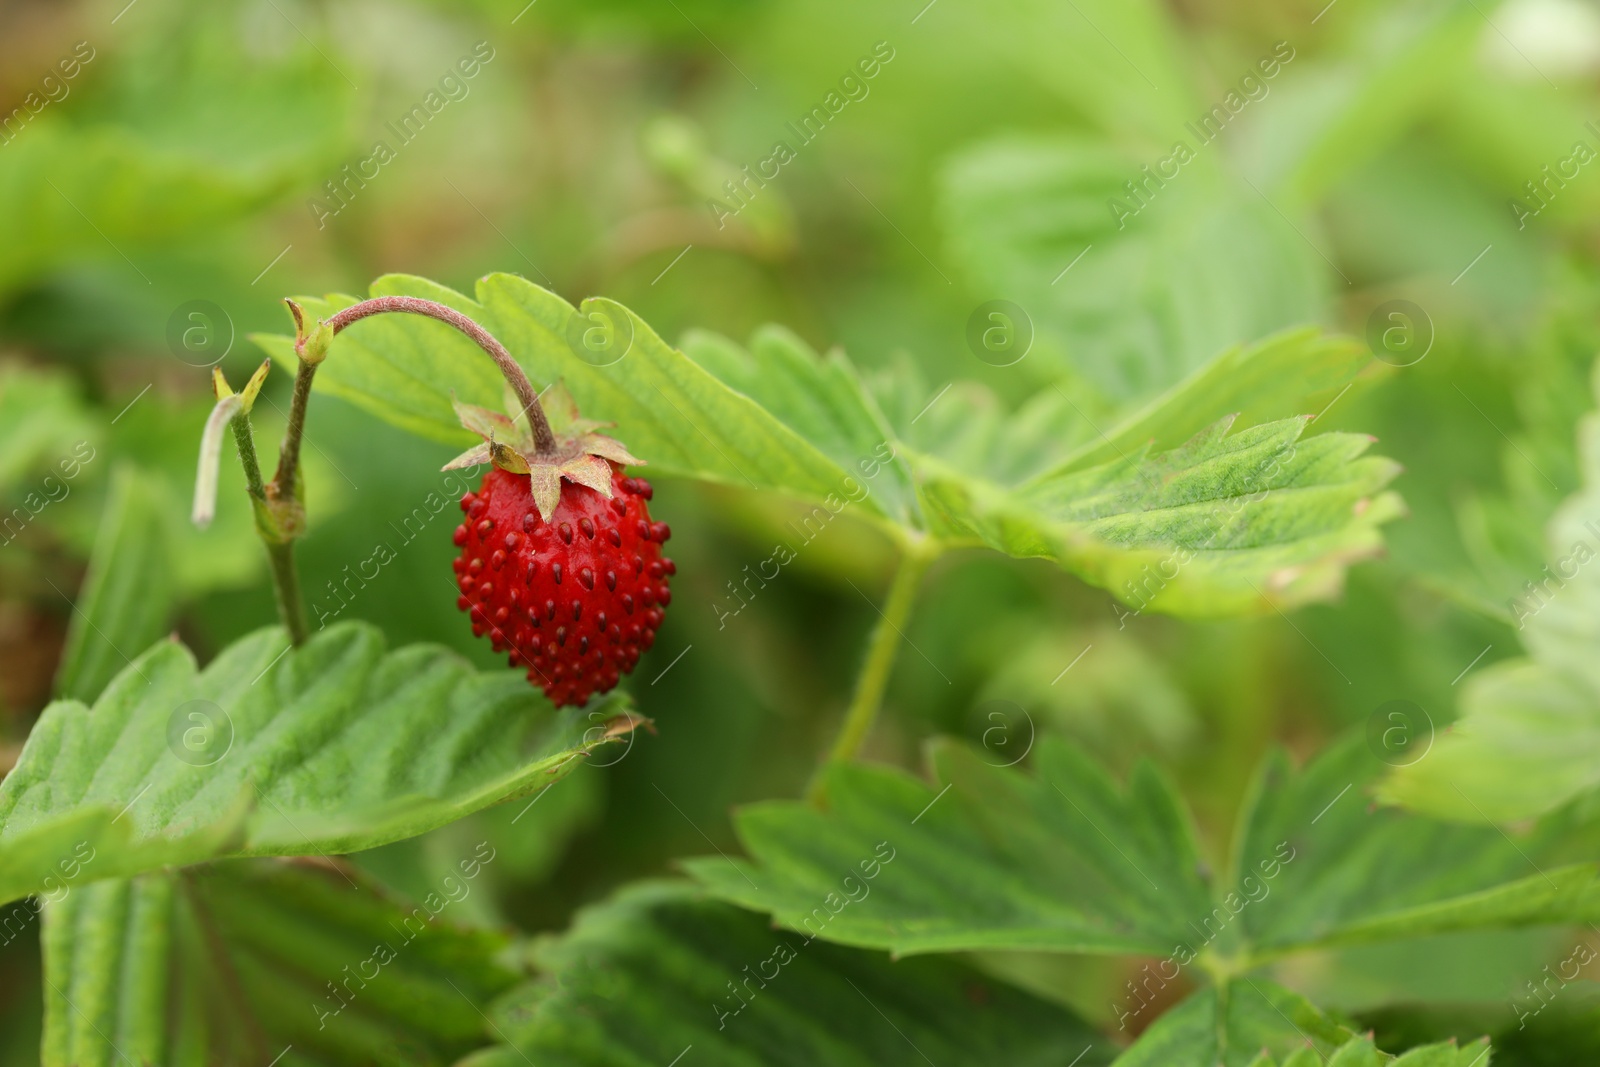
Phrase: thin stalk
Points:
(286, 587)
(280, 554)
(544, 437)
(246, 442)
(278, 500)
(881, 651)
(289, 454)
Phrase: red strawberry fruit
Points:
(560, 563)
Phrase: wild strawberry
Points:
(560, 563)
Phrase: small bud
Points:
(310, 345)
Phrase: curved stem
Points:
(543, 437)
(881, 649)
(280, 512)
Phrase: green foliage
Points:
(1001, 860)
(989, 857)
(1189, 431)
(1372, 874)
(41, 419)
(1115, 51)
(182, 141)
(254, 960)
(1258, 1024)
(1121, 692)
(127, 595)
(660, 969)
(1217, 525)
(1211, 527)
(1527, 742)
(1159, 290)
(336, 747)
(1249, 1023)
(121, 186)
(406, 369)
(1355, 106)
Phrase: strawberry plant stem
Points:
(544, 438)
(280, 554)
(246, 442)
(874, 676)
(286, 587)
(280, 516)
(289, 454)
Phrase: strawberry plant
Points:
(324, 742)
(1130, 476)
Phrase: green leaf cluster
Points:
(1167, 509)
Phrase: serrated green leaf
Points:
(1058, 430)
(1528, 739)
(667, 408)
(1233, 1027)
(335, 747)
(127, 595)
(1296, 372)
(660, 969)
(1247, 522)
(1063, 860)
(1447, 1054)
(1213, 525)
(1254, 1023)
(965, 425)
(987, 858)
(1222, 524)
(821, 398)
(245, 962)
(1361, 873)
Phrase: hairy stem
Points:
(246, 442)
(279, 512)
(280, 502)
(289, 454)
(881, 650)
(280, 554)
(544, 439)
(286, 587)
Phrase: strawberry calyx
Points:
(579, 453)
